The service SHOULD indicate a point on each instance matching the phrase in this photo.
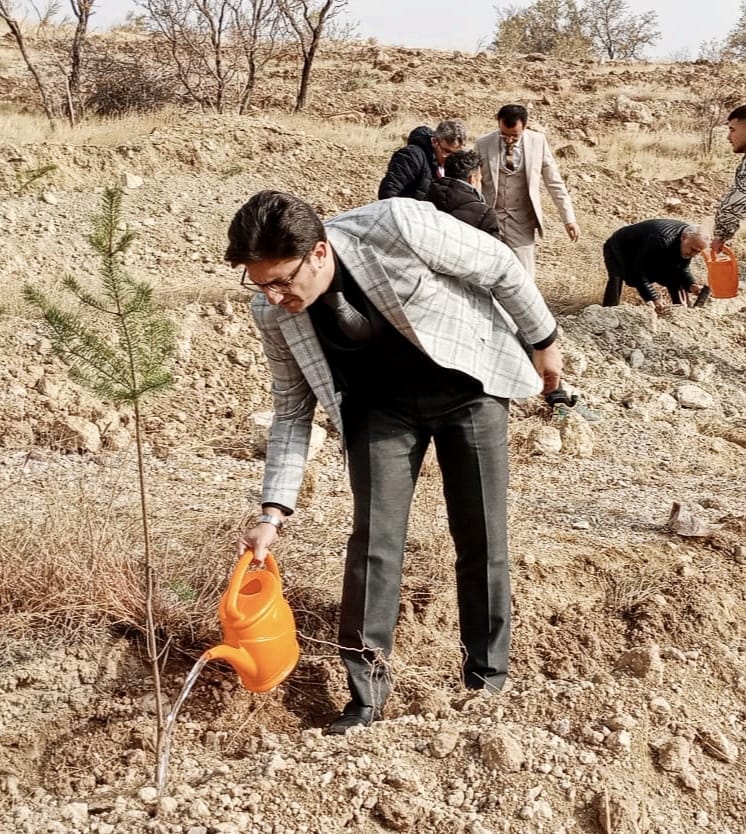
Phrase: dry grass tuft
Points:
(73, 562)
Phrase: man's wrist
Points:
(276, 519)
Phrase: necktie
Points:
(353, 324)
(509, 161)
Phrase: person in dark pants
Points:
(413, 167)
(653, 251)
(385, 316)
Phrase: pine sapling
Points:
(118, 344)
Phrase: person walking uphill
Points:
(657, 251)
(413, 168)
(385, 316)
(515, 160)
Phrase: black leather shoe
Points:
(353, 715)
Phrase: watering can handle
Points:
(240, 572)
(725, 250)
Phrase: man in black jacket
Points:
(654, 251)
(459, 192)
(412, 168)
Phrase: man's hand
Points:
(259, 539)
(716, 247)
(548, 364)
(573, 231)
(662, 306)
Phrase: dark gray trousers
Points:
(386, 446)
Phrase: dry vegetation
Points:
(595, 570)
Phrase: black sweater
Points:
(648, 252)
(464, 202)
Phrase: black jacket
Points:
(650, 252)
(464, 202)
(412, 168)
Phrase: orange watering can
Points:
(258, 627)
(722, 272)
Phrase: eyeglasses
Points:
(281, 286)
(447, 149)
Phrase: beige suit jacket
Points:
(538, 164)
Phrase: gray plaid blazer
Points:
(437, 280)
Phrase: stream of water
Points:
(162, 775)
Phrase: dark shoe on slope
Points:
(353, 715)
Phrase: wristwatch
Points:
(275, 520)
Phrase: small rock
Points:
(636, 359)
(49, 198)
(147, 794)
(599, 319)
(673, 755)
(576, 437)
(717, 745)
(692, 396)
(545, 440)
(616, 812)
(619, 740)
(686, 523)
(76, 813)
(444, 743)
(76, 434)
(642, 660)
(168, 805)
(131, 180)
(501, 751)
(398, 812)
(660, 705)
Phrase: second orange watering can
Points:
(722, 272)
(258, 627)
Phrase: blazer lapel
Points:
(369, 275)
(303, 343)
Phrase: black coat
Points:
(412, 168)
(464, 202)
(648, 252)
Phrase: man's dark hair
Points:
(462, 164)
(511, 114)
(272, 226)
(739, 113)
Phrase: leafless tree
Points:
(67, 54)
(307, 19)
(258, 32)
(7, 14)
(616, 32)
(82, 10)
(215, 46)
(737, 36)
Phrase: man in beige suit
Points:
(514, 161)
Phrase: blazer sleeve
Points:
(555, 185)
(448, 247)
(294, 405)
(404, 169)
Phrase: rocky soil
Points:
(627, 706)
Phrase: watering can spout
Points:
(243, 663)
